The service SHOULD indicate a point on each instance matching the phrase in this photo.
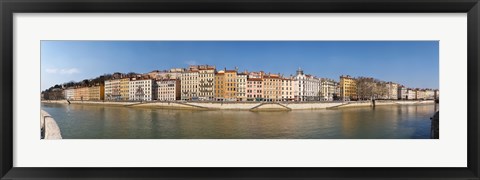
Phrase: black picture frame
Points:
(9, 7)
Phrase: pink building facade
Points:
(254, 89)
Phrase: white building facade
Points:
(141, 89)
(328, 89)
(69, 93)
(392, 90)
(206, 82)
(307, 87)
(411, 94)
(189, 85)
(429, 94)
(241, 87)
(112, 89)
(287, 89)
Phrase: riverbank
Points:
(253, 106)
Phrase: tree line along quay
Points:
(206, 83)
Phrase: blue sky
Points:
(411, 63)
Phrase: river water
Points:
(105, 122)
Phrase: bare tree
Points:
(381, 90)
(365, 88)
(371, 88)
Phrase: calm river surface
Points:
(105, 122)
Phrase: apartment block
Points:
(97, 92)
(348, 88)
(69, 93)
(113, 89)
(206, 82)
(168, 89)
(272, 87)
(254, 89)
(328, 90)
(219, 85)
(141, 89)
(307, 87)
(230, 85)
(287, 89)
(242, 86)
(190, 84)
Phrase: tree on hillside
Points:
(131, 74)
(85, 83)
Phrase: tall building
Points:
(69, 93)
(336, 96)
(411, 94)
(429, 94)
(328, 91)
(168, 89)
(272, 87)
(287, 89)
(230, 84)
(82, 94)
(307, 87)
(348, 88)
(189, 84)
(220, 85)
(97, 92)
(420, 94)
(141, 89)
(392, 90)
(206, 82)
(113, 89)
(402, 93)
(254, 89)
(125, 89)
(242, 86)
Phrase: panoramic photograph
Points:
(239, 89)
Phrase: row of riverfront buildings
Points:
(206, 83)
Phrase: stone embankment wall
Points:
(244, 105)
(48, 127)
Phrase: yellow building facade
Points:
(81, 94)
(348, 88)
(272, 87)
(124, 88)
(96, 93)
(230, 85)
(219, 85)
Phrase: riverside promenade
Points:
(252, 106)
(48, 127)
